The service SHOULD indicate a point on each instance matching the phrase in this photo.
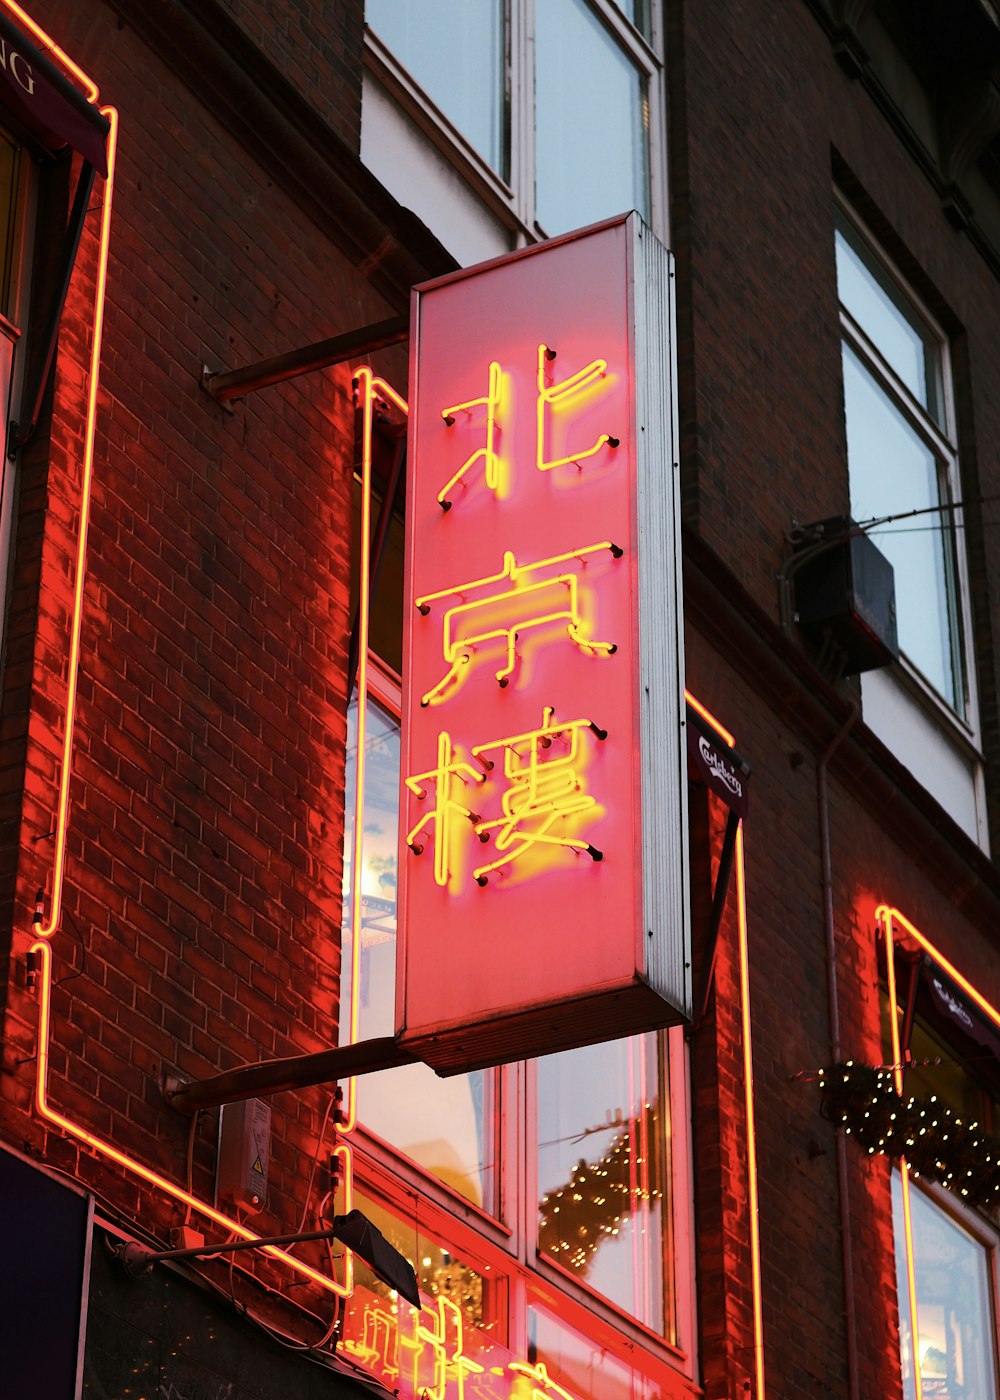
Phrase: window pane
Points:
(591, 121)
(955, 1352)
(892, 471)
(447, 1126)
(454, 50)
(440, 1272)
(893, 328)
(578, 1363)
(603, 1162)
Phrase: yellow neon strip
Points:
(491, 402)
(364, 379)
(512, 570)
(758, 1311)
(46, 930)
(709, 718)
(554, 395)
(457, 649)
(445, 807)
(911, 1277)
(886, 913)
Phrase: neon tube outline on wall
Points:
(44, 931)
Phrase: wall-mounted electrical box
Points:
(244, 1150)
(846, 589)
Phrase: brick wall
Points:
(202, 899)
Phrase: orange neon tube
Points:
(43, 931)
(370, 386)
(758, 1313)
(47, 929)
(709, 718)
(62, 58)
(751, 1129)
(43, 949)
(891, 919)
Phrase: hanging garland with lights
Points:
(935, 1144)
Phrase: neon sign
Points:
(431, 1354)
(542, 776)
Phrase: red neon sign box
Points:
(543, 848)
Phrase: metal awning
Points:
(45, 103)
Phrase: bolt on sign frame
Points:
(544, 854)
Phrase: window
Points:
(945, 1251)
(546, 115)
(955, 1353)
(538, 1202)
(903, 464)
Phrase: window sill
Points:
(936, 745)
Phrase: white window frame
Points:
(510, 202)
(971, 1224)
(941, 744)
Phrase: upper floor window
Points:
(904, 476)
(548, 112)
(902, 458)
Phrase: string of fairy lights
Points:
(935, 1142)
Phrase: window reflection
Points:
(603, 1149)
(591, 121)
(578, 1364)
(889, 323)
(894, 471)
(440, 1272)
(447, 1126)
(954, 1348)
(454, 50)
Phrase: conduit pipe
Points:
(833, 997)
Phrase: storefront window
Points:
(576, 1363)
(955, 1351)
(580, 1139)
(603, 1172)
(447, 1126)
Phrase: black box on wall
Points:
(846, 588)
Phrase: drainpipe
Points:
(847, 1252)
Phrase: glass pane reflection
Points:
(891, 326)
(591, 121)
(580, 1365)
(893, 470)
(447, 1126)
(454, 50)
(603, 1162)
(955, 1353)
